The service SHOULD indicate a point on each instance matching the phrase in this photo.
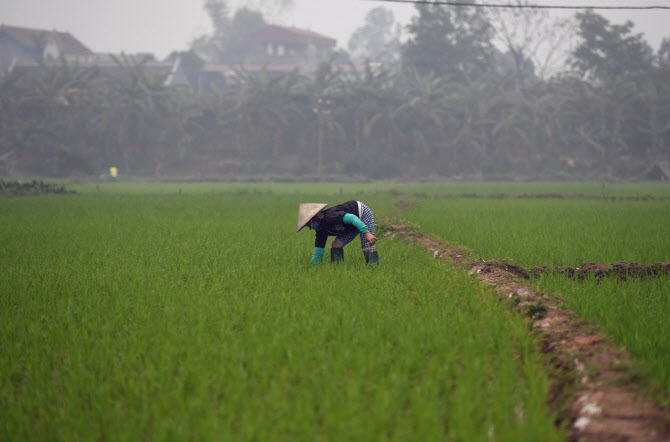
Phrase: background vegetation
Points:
(450, 101)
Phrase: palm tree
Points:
(266, 111)
(369, 99)
(425, 115)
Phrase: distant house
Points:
(277, 50)
(284, 45)
(107, 65)
(28, 51)
(18, 44)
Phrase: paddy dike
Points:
(592, 391)
(619, 270)
(19, 188)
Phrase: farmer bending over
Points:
(344, 222)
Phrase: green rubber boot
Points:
(336, 254)
(371, 257)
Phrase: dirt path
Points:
(591, 386)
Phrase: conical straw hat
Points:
(306, 211)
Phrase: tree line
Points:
(447, 108)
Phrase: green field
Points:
(554, 232)
(654, 189)
(135, 312)
(190, 311)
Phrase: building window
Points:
(270, 49)
(281, 49)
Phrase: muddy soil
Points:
(619, 270)
(592, 389)
(19, 188)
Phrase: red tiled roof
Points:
(285, 34)
(31, 37)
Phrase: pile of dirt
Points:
(618, 270)
(592, 390)
(19, 188)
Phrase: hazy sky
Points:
(160, 26)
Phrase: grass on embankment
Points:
(197, 316)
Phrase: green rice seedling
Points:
(337, 190)
(551, 232)
(597, 189)
(197, 316)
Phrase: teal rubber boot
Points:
(371, 257)
(336, 255)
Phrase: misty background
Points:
(315, 89)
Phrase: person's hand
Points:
(371, 238)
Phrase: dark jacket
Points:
(331, 222)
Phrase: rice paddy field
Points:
(172, 311)
(552, 232)
(569, 232)
(158, 315)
